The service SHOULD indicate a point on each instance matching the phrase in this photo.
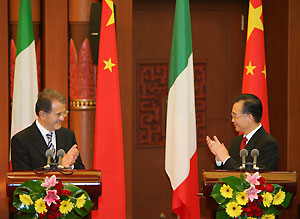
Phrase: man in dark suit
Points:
(28, 147)
(246, 115)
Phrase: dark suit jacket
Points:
(28, 148)
(266, 145)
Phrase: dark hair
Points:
(252, 105)
(45, 98)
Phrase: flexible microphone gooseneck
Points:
(243, 155)
(254, 154)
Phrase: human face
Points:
(52, 121)
(240, 120)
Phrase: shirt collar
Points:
(43, 130)
(249, 136)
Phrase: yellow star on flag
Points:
(108, 64)
(250, 68)
(112, 17)
(254, 20)
(264, 71)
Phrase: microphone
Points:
(60, 155)
(49, 155)
(254, 154)
(243, 155)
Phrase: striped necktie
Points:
(49, 144)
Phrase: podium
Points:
(89, 180)
(287, 179)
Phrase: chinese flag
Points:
(255, 74)
(108, 148)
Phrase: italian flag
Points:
(181, 144)
(25, 79)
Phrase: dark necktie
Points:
(49, 144)
(243, 143)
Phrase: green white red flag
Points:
(181, 143)
(108, 147)
(255, 73)
(25, 89)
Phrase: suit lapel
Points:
(253, 140)
(60, 140)
(38, 140)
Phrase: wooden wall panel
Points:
(293, 96)
(4, 109)
(276, 44)
(55, 45)
(124, 47)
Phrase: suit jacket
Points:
(28, 148)
(261, 140)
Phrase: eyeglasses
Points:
(234, 115)
(63, 114)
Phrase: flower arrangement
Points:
(51, 199)
(249, 197)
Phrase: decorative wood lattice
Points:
(152, 103)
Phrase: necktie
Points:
(243, 143)
(49, 144)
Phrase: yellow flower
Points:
(279, 198)
(267, 199)
(65, 207)
(80, 201)
(233, 209)
(226, 191)
(241, 198)
(268, 216)
(26, 200)
(40, 206)
(251, 218)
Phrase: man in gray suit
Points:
(28, 147)
(246, 115)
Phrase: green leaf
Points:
(32, 188)
(234, 182)
(286, 202)
(77, 192)
(271, 210)
(216, 194)
(221, 214)
(276, 188)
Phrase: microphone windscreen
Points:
(60, 152)
(243, 152)
(49, 152)
(254, 153)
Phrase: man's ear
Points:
(42, 114)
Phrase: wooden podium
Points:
(288, 180)
(89, 180)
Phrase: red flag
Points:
(255, 74)
(108, 148)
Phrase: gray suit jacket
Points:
(28, 148)
(266, 145)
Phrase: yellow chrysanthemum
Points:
(251, 218)
(267, 199)
(279, 198)
(241, 198)
(80, 201)
(26, 200)
(40, 206)
(65, 207)
(226, 191)
(233, 209)
(268, 216)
